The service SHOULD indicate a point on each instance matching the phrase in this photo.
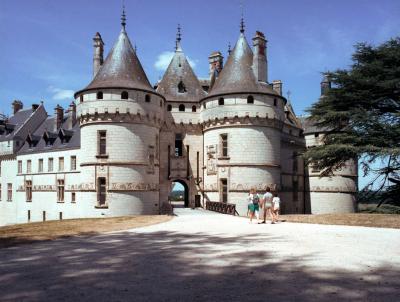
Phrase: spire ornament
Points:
(242, 18)
(178, 39)
(123, 17)
(229, 49)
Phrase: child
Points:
(253, 204)
(275, 208)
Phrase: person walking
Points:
(276, 201)
(253, 204)
(267, 204)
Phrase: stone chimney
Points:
(260, 63)
(277, 86)
(72, 115)
(216, 61)
(325, 85)
(59, 117)
(98, 53)
(17, 106)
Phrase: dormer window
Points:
(99, 95)
(181, 87)
(250, 99)
(194, 108)
(221, 101)
(181, 107)
(124, 95)
(169, 108)
(147, 98)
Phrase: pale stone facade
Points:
(122, 143)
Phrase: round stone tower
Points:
(120, 119)
(242, 118)
(329, 194)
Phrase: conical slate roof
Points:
(179, 82)
(237, 76)
(121, 69)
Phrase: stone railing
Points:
(221, 207)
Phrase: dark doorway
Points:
(179, 195)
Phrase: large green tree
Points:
(362, 113)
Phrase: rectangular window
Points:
(102, 137)
(28, 166)
(223, 190)
(315, 169)
(73, 163)
(9, 192)
(40, 169)
(61, 164)
(29, 215)
(28, 190)
(44, 215)
(0, 168)
(60, 190)
(178, 144)
(295, 191)
(73, 197)
(50, 164)
(60, 215)
(224, 144)
(295, 165)
(20, 167)
(0, 192)
(101, 190)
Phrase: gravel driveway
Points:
(204, 256)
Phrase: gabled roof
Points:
(179, 82)
(14, 123)
(121, 69)
(237, 76)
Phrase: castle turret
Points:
(241, 116)
(182, 135)
(120, 117)
(260, 63)
(98, 53)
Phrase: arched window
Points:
(124, 95)
(181, 87)
(81, 98)
(275, 102)
(194, 108)
(250, 99)
(181, 107)
(221, 101)
(99, 95)
(147, 98)
(169, 107)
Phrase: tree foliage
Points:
(362, 114)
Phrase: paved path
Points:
(203, 256)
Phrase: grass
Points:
(50, 230)
(355, 219)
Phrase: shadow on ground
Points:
(168, 266)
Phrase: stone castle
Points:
(122, 143)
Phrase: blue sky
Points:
(46, 45)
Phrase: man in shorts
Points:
(267, 204)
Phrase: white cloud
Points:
(165, 58)
(60, 94)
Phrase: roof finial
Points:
(229, 48)
(178, 38)
(123, 16)
(242, 18)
